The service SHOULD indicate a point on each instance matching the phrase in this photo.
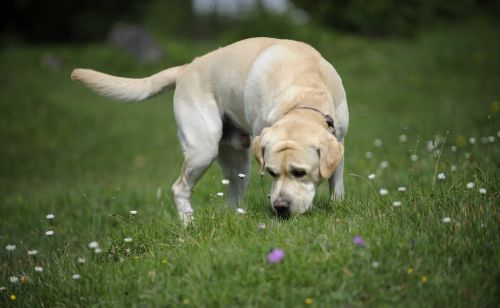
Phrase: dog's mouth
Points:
(283, 212)
(285, 206)
(286, 212)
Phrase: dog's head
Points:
(297, 158)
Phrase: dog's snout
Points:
(281, 203)
(282, 207)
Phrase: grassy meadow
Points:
(425, 115)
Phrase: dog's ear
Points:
(330, 153)
(258, 151)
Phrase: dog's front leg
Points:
(337, 183)
(337, 180)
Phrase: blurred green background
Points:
(426, 70)
(83, 21)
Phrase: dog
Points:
(281, 93)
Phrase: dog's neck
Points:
(326, 117)
(310, 103)
(302, 113)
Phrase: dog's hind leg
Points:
(199, 131)
(234, 159)
(235, 164)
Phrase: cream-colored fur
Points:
(126, 89)
(254, 87)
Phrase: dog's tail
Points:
(127, 89)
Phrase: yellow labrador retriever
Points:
(281, 92)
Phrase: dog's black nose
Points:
(282, 207)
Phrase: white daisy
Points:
(375, 264)
(10, 247)
(262, 226)
(158, 193)
(491, 139)
(50, 216)
(383, 191)
(80, 260)
(453, 168)
(93, 245)
(225, 182)
(240, 211)
(431, 145)
(127, 239)
(13, 279)
(368, 155)
(133, 212)
(38, 269)
(441, 176)
(377, 142)
(384, 164)
(371, 176)
(453, 148)
(467, 155)
(403, 138)
(470, 185)
(446, 220)
(98, 250)
(2, 288)
(49, 233)
(76, 276)
(33, 252)
(241, 175)
(482, 190)
(401, 188)
(414, 157)
(220, 194)
(396, 203)
(472, 140)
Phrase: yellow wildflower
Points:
(25, 279)
(410, 270)
(424, 279)
(461, 141)
(13, 297)
(185, 301)
(495, 106)
(309, 301)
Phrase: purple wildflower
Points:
(358, 240)
(276, 255)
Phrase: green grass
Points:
(89, 161)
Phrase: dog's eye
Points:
(272, 173)
(298, 173)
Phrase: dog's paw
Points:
(337, 197)
(186, 217)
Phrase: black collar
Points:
(328, 119)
